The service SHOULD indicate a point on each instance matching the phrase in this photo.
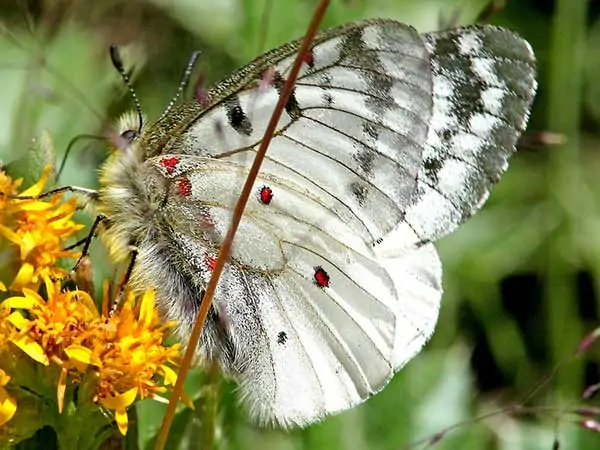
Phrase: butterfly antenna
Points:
(183, 83)
(70, 147)
(117, 62)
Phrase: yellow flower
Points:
(50, 326)
(134, 357)
(116, 358)
(37, 229)
(122, 355)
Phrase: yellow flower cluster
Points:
(37, 229)
(121, 355)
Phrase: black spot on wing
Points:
(325, 83)
(370, 130)
(325, 80)
(282, 337)
(365, 159)
(360, 192)
(236, 117)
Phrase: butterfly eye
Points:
(129, 135)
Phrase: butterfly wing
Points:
(389, 141)
(483, 87)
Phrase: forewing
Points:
(404, 133)
(353, 131)
(314, 323)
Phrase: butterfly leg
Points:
(125, 280)
(86, 242)
(88, 194)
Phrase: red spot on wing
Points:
(184, 187)
(309, 58)
(321, 277)
(169, 164)
(210, 262)
(266, 195)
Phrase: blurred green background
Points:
(520, 278)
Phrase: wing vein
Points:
(366, 94)
(409, 138)
(368, 181)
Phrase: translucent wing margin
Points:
(483, 87)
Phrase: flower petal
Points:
(20, 302)
(31, 347)
(8, 406)
(87, 301)
(24, 277)
(81, 354)
(10, 235)
(17, 320)
(120, 401)
(4, 378)
(147, 308)
(170, 375)
(49, 287)
(38, 187)
(121, 418)
(61, 389)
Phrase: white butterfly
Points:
(389, 141)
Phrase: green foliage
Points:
(541, 223)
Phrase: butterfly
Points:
(389, 141)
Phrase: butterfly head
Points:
(128, 129)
